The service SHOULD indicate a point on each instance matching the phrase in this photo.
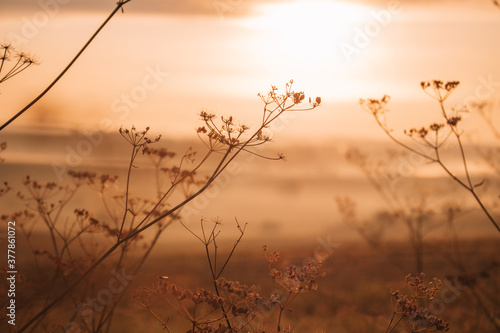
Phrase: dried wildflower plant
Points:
(128, 216)
(429, 140)
(292, 280)
(24, 60)
(227, 137)
(209, 240)
(17, 60)
(206, 311)
(233, 306)
(417, 211)
(409, 309)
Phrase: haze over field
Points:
(160, 63)
(334, 132)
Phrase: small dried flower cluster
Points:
(20, 60)
(83, 215)
(104, 182)
(243, 299)
(294, 279)
(422, 132)
(281, 100)
(23, 216)
(438, 84)
(157, 155)
(40, 192)
(439, 89)
(4, 188)
(240, 300)
(271, 256)
(419, 319)
(98, 183)
(434, 128)
(200, 307)
(453, 121)
(198, 296)
(375, 106)
(420, 289)
(227, 134)
(138, 139)
(81, 177)
(3, 146)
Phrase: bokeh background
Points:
(160, 63)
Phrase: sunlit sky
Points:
(217, 55)
(160, 63)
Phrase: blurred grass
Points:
(353, 297)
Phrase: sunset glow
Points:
(305, 31)
(249, 166)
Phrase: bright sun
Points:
(305, 30)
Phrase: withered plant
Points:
(130, 217)
(428, 141)
(24, 60)
(13, 62)
(413, 310)
(232, 306)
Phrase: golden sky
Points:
(161, 62)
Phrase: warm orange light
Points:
(306, 30)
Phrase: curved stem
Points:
(468, 186)
(119, 5)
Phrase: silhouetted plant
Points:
(416, 211)
(429, 140)
(224, 141)
(409, 309)
(234, 306)
(18, 61)
(293, 280)
(25, 61)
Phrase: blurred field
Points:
(354, 296)
(290, 207)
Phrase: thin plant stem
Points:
(232, 151)
(125, 211)
(119, 5)
(468, 186)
